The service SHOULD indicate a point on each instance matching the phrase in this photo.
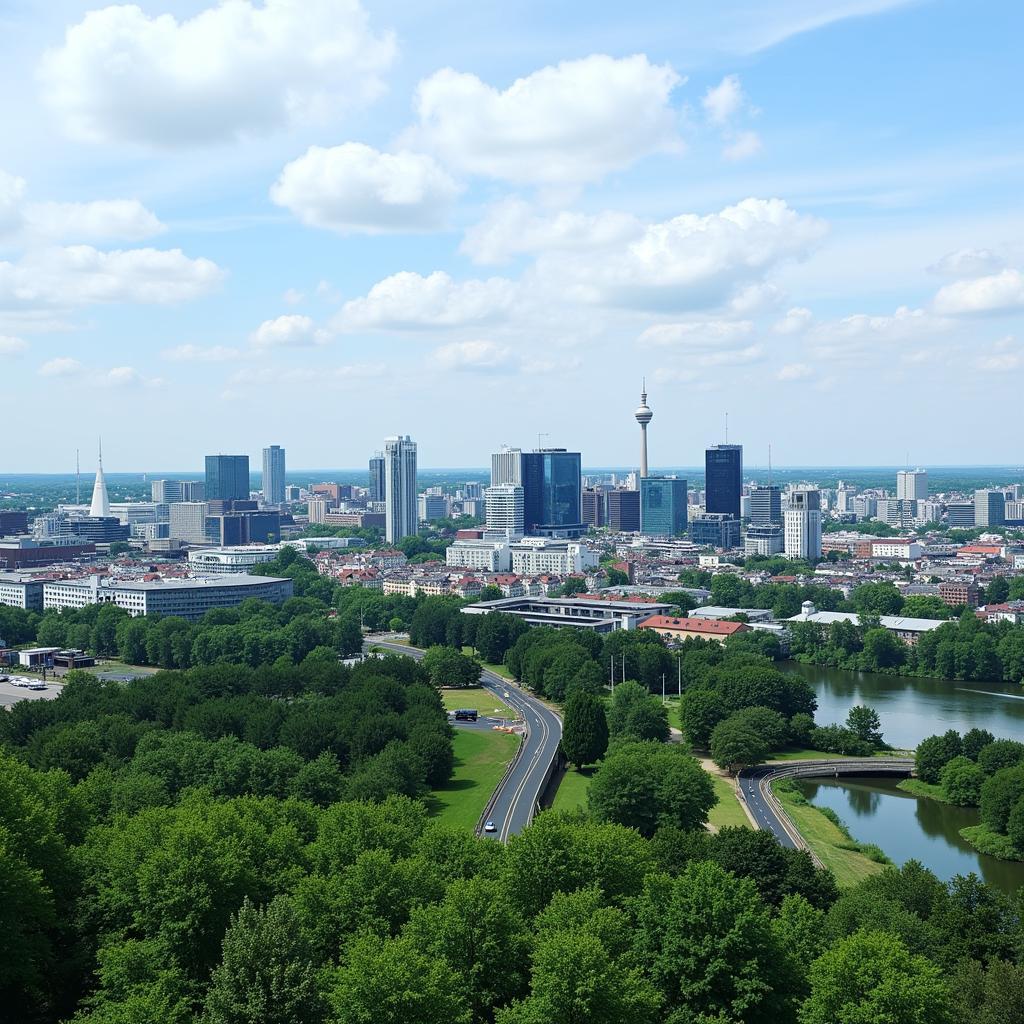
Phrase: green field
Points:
(838, 853)
(481, 757)
(483, 700)
(923, 789)
(728, 810)
(498, 670)
(572, 790)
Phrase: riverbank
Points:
(830, 839)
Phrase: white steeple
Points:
(100, 501)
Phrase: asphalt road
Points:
(518, 796)
(754, 785)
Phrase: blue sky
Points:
(316, 223)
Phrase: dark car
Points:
(466, 715)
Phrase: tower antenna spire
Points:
(78, 479)
(643, 415)
(769, 465)
(726, 428)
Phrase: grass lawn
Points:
(728, 810)
(477, 697)
(923, 789)
(480, 761)
(498, 670)
(806, 754)
(836, 851)
(572, 790)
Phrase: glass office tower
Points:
(723, 470)
(662, 506)
(273, 475)
(227, 477)
(552, 489)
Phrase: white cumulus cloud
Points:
(197, 354)
(485, 356)
(724, 101)
(995, 293)
(968, 263)
(11, 346)
(234, 69)
(293, 330)
(353, 188)
(796, 320)
(690, 262)
(565, 124)
(741, 146)
(102, 219)
(62, 366)
(82, 275)
(409, 301)
(512, 227)
(794, 371)
(702, 334)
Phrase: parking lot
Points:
(11, 694)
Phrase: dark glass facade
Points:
(377, 478)
(723, 478)
(227, 476)
(662, 506)
(624, 511)
(765, 506)
(715, 530)
(552, 489)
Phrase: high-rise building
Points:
(165, 491)
(715, 530)
(193, 490)
(552, 482)
(764, 540)
(960, 514)
(507, 466)
(273, 475)
(765, 506)
(662, 506)
(227, 476)
(505, 509)
(644, 415)
(594, 508)
(472, 490)
(431, 506)
(723, 473)
(188, 521)
(803, 525)
(317, 508)
(378, 487)
(623, 510)
(401, 515)
(989, 508)
(912, 484)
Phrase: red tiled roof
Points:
(713, 627)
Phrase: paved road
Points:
(517, 797)
(768, 813)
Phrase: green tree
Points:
(871, 977)
(877, 599)
(997, 591)
(647, 785)
(933, 753)
(576, 979)
(866, 723)
(961, 780)
(882, 650)
(478, 930)
(634, 713)
(706, 940)
(999, 754)
(974, 741)
(448, 667)
(999, 795)
(574, 585)
(266, 974)
(388, 981)
(766, 723)
(735, 745)
(699, 712)
(584, 729)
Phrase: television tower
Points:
(643, 417)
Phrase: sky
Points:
(318, 223)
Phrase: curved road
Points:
(514, 802)
(768, 813)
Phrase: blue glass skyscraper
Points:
(662, 506)
(723, 478)
(552, 482)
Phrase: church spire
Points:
(100, 501)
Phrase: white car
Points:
(489, 826)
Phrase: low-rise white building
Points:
(185, 598)
(21, 591)
(232, 559)
(533, 556)
(484, 555)
(896, 549)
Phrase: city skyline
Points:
(782, 221)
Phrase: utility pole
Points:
(623, 666)
(679, 667)
(662, 687)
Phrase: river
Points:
(908, 827)
(875, 810)
(914, 708)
